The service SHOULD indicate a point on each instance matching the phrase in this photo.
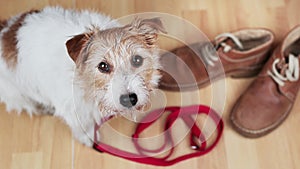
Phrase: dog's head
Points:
(118, 67)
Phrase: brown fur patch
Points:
(3, 24)
(9, 40)
(75, 45)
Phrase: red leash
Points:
(184, 113)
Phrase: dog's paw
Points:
(85, 140)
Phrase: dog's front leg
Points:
(84, 135)
(82, 128)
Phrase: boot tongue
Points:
(290, 89)
(282, 66)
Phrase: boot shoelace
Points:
(209, 52)
(289, 71)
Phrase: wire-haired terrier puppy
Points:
(78, 65)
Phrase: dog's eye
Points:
(104, 67)
(137, 61)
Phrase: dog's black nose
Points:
(128, 100)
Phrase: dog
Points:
(80, 66)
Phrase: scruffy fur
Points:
(50, 64)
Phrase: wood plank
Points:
(45, 142)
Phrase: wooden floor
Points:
(44, 142)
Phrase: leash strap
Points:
(197, 139)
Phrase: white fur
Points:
(44, 72)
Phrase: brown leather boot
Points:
(242, 54)
(269, 99)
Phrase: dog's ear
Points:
(76, 44)
(148, 29)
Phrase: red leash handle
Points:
(185, 113)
